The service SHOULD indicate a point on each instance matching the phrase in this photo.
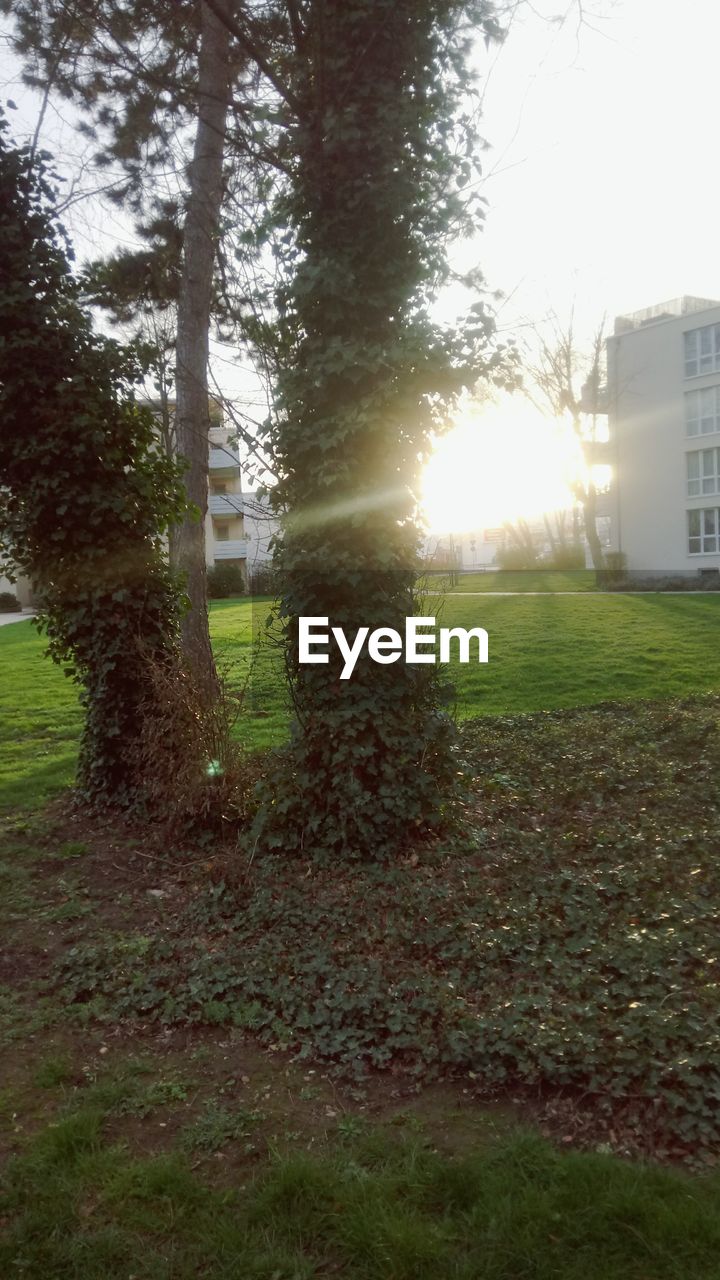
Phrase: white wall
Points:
(647, 385)
(21, 589)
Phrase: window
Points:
(222, 533)
(702, 350)
(703, 472)
(219, 486)
(703, 531)
(702, 411)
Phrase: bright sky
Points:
(602, 195)
(498, 463)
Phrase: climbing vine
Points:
(380, 148)
(85, 492)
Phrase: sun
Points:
(499, 462)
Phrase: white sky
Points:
(603, 184)
(601, 180)
(603, 199)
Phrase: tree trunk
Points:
(551, 536)
(193, 323)
(591, 533)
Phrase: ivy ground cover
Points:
(179, 1028)
(567, 942)
(210, 1062)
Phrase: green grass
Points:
(381, 1206)
(526, 580)
(546, 652)
(550, 652)
(574, 939)
(39, 720)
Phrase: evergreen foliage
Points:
(380, 153)
(85, 490)
(225, 580)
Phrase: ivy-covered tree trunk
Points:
(375, 190)
(193, 324)
(84, 493)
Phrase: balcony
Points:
(225, 504)
(230, 549)
(224, 460)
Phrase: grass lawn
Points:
(546, 652)
(221, 1067)
(40, 720)
(374, 1204)
(525, 580)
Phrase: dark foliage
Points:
(85, 491)
(381, 152)
(225, 580)
(516, 559)
(264, 581)
(615, 573)
(571, 942)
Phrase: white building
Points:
(21, 589)
(664, 426)
(261, 525)
(226, 541)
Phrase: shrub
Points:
(197, 775)
(85, 495)
(225, 580)
(568, 558)
(615, 573)
(516, 559)
(264, 581)
(665, 582)
(9, 603)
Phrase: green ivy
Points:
(570, 942)
(380, 155)
(84, 491)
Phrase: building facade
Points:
(226, 541)
(21, 589)
(261, 526)
(663, 408)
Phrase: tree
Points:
(365, 116)
(201, 232)
(84, 492)
(138, 290)
(523, 549)
(572, 386)
(148, 76)
(379, 152)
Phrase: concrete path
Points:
(593, 594)
(5, 618)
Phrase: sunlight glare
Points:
(500, 461)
